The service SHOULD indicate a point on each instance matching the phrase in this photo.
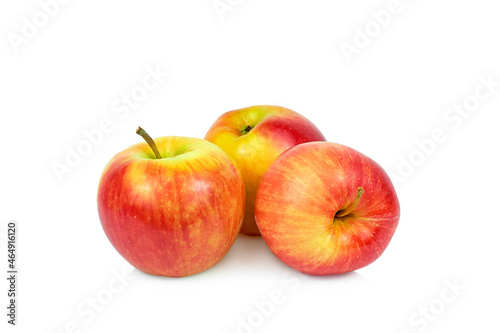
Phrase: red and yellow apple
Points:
(173, 214)
(324, 208)
(254, 137)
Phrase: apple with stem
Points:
(172, 206)
(324, 208)
(254, 137)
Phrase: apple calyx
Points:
(350, 209)
(150, 141)
(247, 129)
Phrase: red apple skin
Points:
(174, 216)
(301, 197)
(274, 129)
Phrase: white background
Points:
(394, 91)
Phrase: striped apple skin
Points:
(274, 129)
(302, 192)
(174, 216)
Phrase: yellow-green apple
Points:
(175, 212)
(254, 137)
(324, 208)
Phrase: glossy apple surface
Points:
(254, 137)
(174, 216)
(324, 208)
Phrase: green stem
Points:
(350, 209)
(149, 140)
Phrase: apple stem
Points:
(350, 209)
(149, 140)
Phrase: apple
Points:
(254, 137)
(173, 213)
(324, 208)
